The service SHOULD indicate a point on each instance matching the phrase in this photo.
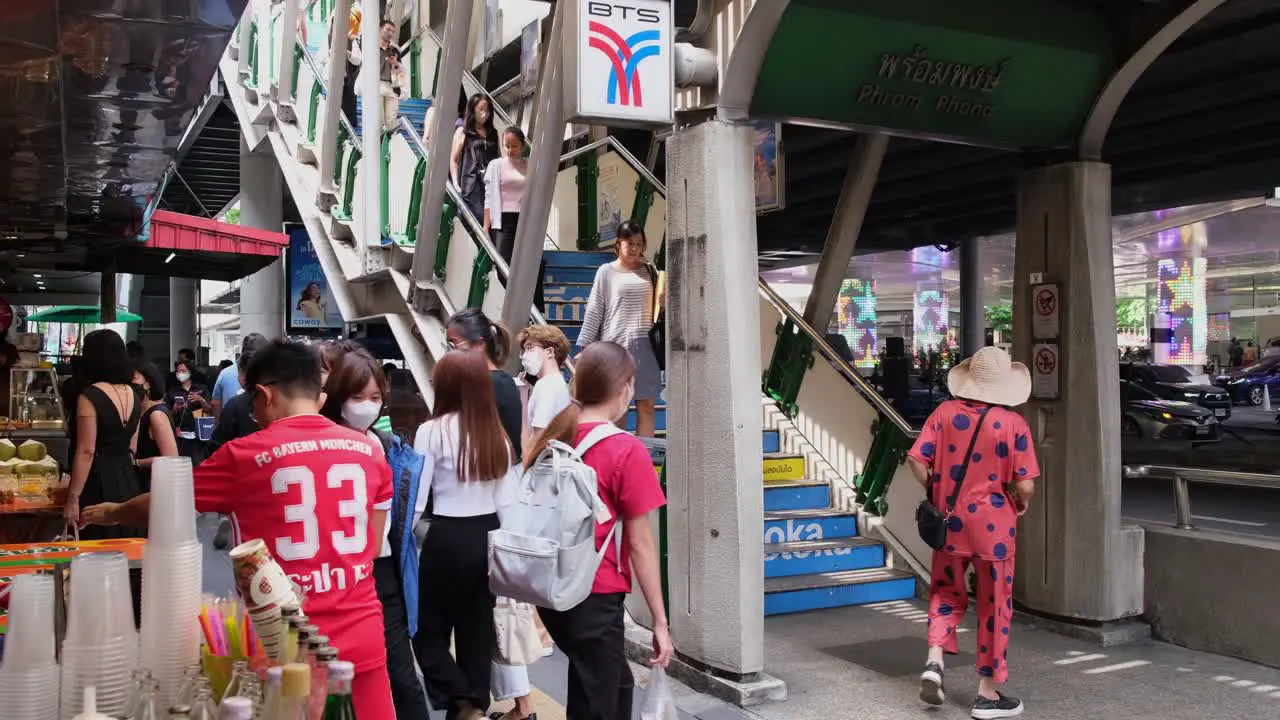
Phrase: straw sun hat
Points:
(990, 377)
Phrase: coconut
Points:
(33, 451)
(7, 449)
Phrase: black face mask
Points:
(140, 388)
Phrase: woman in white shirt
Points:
(504, 182)
(354, 390)
(471, 469)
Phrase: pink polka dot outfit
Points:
(983, 530)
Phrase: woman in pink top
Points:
(504, 181)
(591, 634)
(975, 459)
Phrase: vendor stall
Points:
(34, 451)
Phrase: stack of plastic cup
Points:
(29, 674)
(101, 646)
(171, 578)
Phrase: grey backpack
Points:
(545, 552)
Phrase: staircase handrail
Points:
(323, 82)
(841, 365)
(625, 154)
(469, 221)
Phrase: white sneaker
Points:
(931, 691)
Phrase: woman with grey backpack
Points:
(591, 632)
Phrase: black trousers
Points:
(504, 238)
(591, 635)
(454, 600)
(406, 691)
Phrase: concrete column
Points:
(262, 206)
(842, 237)
(133, 301)
(457, 26)
(182, 315)
(371, 125)
(107, 297)
(337, 70)
(716, 513)
(1075, 559)
(544, 166)
(283, 91)
(973, 317)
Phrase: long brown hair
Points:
(349, 374)
(600, 372)
(463, 386)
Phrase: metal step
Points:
(806, 514)
(818, 545)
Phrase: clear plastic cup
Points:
(173, 508)
(30, 642)
(101, 607)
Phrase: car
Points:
(1173, 382)
(1146, 415)
(1247, 384)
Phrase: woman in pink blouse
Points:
(976, 461)
(504, 181)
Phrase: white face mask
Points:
(183, 377)
(531, 360)
(630, 395)
(361, 414)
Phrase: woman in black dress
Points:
(155, 429)
(475, 145)
(471, 329)
(107, 415)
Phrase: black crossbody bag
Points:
(932, 522)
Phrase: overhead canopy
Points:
(80, 315)
(187, 246)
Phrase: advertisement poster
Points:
(768, 167)
(530, 39)
(492, 28)
(310, 302)
(615, 193)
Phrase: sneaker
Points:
(931, 685)
(1003, 707)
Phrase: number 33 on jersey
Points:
(309, 489)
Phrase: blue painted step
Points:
(574, 311)
(782, 526)
(772, 441)
(571, 331)
(822, 556)
(570, 258)
(797, 495)
(566, 292)
(569, 274)
(660, 418)
(836, 589)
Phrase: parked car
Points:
(1173, 382)
(1147, 415)
(1247, 384)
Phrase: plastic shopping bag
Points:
(518, 640)
(659, 702)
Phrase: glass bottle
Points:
(338, 705)
(269, 708)
(239, 669)
(180, 712)
(295, 691)
(305, 633)
(320, 678)
(186, 693)
(146, 708)
(290, 616)
(204, 707)
(236, 708)
(138, 680)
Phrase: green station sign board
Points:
(987, 72)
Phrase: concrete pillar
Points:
(544, 167)
(453, 59)
(182, 315)
(1075, 559)
(262, 206)
(337, 71)
(131, 295)
(842, 237)
(371, 125)
(973, 317)
(716, 513)
(283, 91)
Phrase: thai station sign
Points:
(619, 62)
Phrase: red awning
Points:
(194, 247)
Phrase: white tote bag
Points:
(518, 641)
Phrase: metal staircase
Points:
(816, 556)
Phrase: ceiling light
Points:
(170, 258)
(36, 275)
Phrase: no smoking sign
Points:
(1045, 369)
(1045, 311)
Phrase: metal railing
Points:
(1182, 478)
(841, 365)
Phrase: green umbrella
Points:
(80, 314)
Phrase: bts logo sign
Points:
(620, 66)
